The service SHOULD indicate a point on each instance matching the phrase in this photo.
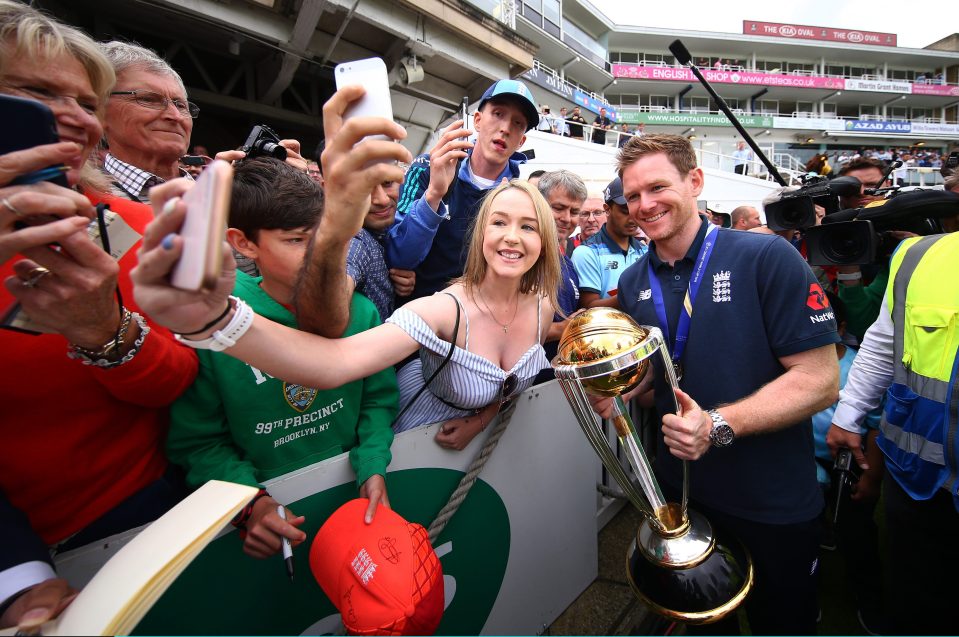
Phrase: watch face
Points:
(722, 435)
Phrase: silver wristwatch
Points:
(721, 434)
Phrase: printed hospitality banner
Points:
(549, 82)
(935, 89)
(879, 86)
(803, 123)
(935, 129)
(871, 126)
(593, 104)
(641, 72)
(682, 74)
(556, 85)
(692, 119)
(828, 34)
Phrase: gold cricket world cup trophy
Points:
(678, 565)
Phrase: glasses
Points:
(157, 102)
(90, 107)
(596, 214)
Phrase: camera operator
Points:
(862, 297)
(910, 353)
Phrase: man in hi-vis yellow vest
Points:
(910, 354)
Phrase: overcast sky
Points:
(915, 28)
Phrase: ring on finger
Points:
(35, 275)
(9, 206)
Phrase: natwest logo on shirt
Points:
(817, 300)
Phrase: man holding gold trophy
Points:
(738, 338)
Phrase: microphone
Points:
(679, 50)
(892, 166)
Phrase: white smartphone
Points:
(371, 75)
(465, 115)
(204, 229)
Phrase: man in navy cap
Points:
(606, 254)
(441, 192)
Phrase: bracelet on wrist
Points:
(220, 340)
(241, 518)
(229, 306)
(111, 353)
(849, 276)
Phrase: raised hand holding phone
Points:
(452, 146)
(34, 125)
(371, 75)
(203, 232)
(182, 311)
(352, 170)
(465, 112)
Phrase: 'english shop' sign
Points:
(682, 74)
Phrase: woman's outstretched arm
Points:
(280, 351)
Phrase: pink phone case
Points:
(204, 229)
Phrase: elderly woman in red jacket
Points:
(85, 393)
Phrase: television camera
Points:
(846, 237)
(863, 235)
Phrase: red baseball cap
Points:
(384, 577)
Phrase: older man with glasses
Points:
(149, 120)
(592, 216)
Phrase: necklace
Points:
(493, 316)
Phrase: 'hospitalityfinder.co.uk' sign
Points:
(828, 34)
(692, 119)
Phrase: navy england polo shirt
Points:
(758, 301)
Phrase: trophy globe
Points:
(679, 565)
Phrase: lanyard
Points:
(685, 316)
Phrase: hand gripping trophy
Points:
(679, 566)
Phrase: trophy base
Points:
(695, 576)
(687, 542)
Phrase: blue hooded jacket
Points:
(434, 244)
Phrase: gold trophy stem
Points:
(674, 383)
(629, 438)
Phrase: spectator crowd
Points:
(440, 284)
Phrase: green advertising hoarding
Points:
(226, 592)
(691, 119)
(521, 547)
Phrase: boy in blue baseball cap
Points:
(443, 188)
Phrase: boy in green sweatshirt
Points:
(239, 424)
